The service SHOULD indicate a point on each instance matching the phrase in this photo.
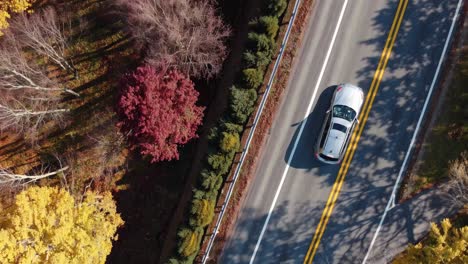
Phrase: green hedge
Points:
(188, 245)
(261, 42)
(258, 59)
(252, 77)
(229, 142)
(224, 138)
(276, 7)
(267, 24)
(242, 102)
(202, 212)
(210, 180)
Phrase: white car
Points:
(340, 120)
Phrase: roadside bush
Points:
(276, 7)
(269, 24)
(224, 138)
(229, 142)
(242, 103)
(253, 77)
(221, 163)
(189, 242)
(261, 42)
(249, 58)
(202, 212)
(205, 194)
(231, 127)
(210, 180)
(258, 59)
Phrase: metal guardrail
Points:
(251, 133)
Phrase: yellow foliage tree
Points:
(12, 6)
(229, 142)
(46, 225)
(446, 244)
(202, 212)
(190, 242)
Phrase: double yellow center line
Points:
(357, 133)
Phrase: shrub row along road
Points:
(299, 210)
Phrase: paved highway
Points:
(344, 42)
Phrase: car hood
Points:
(351, 96)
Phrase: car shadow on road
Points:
(303, 156)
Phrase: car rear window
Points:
(327, 158)
(339, 127)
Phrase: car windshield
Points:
(345, 112)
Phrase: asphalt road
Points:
(408, 222)
(381, 149)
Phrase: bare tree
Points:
(109, 145)
(29, 113)
(17, 73)
(28, 96)
(183, 34)
(8, 177)
(43, 32)
(457, 189)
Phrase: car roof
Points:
(334, 142)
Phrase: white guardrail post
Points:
(251, 133)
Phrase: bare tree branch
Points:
(28, 97)
(183, 34)
(28, 115)
(17, 73)
(43, 32)
(7, 177)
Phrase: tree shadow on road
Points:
(285, 240)
(388, 132)
(376, 163)
(404, 88)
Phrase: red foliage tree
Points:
(158, 111)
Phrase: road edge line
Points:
(395, 187)
(283, 177)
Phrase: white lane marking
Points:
(283, 177)
(395, 187)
